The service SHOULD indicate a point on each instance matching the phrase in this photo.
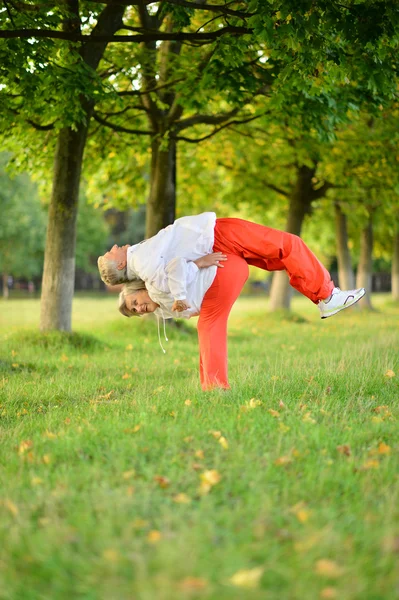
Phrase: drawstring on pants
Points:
(164, 331)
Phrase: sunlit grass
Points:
(120, 479)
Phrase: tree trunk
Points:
(395, 266)
(59, 258)
(346, 277)
(161, 206)
(6, 291)
(299, 207)
(59, 262)
(364, 271)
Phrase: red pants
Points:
(246, 244)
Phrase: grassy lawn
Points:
(120, 479)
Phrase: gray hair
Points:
(109, 272)
(130, 288)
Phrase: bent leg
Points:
(212, 322)
(275, 250)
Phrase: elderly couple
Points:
(199, 265)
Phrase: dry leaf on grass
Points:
(209, 479)
(154, 536)
(163, 482)
(191, 584)
(247, 578)
(181, 499)
(344, 449)
(328, 568)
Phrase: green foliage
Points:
(22, 225)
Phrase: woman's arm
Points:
(180, 273)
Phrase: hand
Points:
(209, 260)
(180, 305)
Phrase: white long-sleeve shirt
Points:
(164, 262)
(197, 283)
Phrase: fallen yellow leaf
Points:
(24, 446)
(125, 376)
(371, 464)
(154, 536)
(274, 413)
(36, 481)
(328, 593)
(384, 448)
(188, 402)
(11, 507)
(223, 442)
(390, 373)
(247, 578)
(111, 555)
(209, 479)
(283, 460)
(328, 568)
(181, 499)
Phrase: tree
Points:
(60, 44)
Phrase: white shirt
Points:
(163, 262)
(196, 290)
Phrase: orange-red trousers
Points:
(247, 243)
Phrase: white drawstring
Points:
(164, 331)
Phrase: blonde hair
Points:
(130, 288)
(109, 272)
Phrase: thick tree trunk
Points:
(59, 259)
(346, 278)
(395, 266)
(299, 207)
(59, 262)
(6, 291)
(364, 271)
(161, 206)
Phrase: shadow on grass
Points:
(56, 340)
(9, 367)
(287, 316)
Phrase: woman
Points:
(210, 295)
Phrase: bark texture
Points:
(364, 271)
(346, 278)
(59, 260)
(299, 206)
(395, 266)
(6, 292)
(162, 198)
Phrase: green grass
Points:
(101, 432)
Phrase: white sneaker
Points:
(339, 300)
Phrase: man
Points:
(166, 261)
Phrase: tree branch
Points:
(154, 89)
(205, 120)
(267, 184)
(118, 128)
(139, 38)
(216, 130)
(220, 8)
(41, 127)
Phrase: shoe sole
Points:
(339, 308)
